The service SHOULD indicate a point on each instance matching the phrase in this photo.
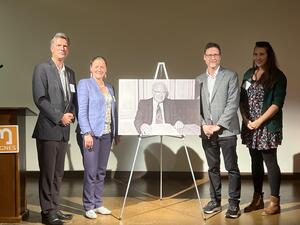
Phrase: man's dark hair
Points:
(212, 45)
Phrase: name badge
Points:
(246, 85)
(72, 88)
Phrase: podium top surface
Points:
(24, 111)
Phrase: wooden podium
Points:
(13, 205)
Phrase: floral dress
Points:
(261, 138)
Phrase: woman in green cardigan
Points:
(262, 97)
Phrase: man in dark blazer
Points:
(53, 87)
(156, 110)
(219, 101)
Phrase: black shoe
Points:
(51, 219)
(233, 211)
(63, 216)
(212, 207)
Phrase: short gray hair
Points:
(60, 35)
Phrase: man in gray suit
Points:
(53, 87)
(219, 101)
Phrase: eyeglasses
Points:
(212, 55)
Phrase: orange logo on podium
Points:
(9, 139)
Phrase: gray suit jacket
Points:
(224, 102)
(48, 96)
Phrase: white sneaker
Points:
(91, 214)
(102, 210)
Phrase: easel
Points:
(161, 67)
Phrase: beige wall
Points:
(134, 35)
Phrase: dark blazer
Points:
(224, 102)
(48, 95)
(145, 112)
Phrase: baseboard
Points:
(156, 174)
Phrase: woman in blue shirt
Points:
(97, 117)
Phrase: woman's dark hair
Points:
(268, 78)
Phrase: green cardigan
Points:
(276, 96)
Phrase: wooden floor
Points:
(179, 206)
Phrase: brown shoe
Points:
(256, 204)
(273, 207)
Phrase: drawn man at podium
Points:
(157, 115)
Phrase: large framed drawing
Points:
(158, 107)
